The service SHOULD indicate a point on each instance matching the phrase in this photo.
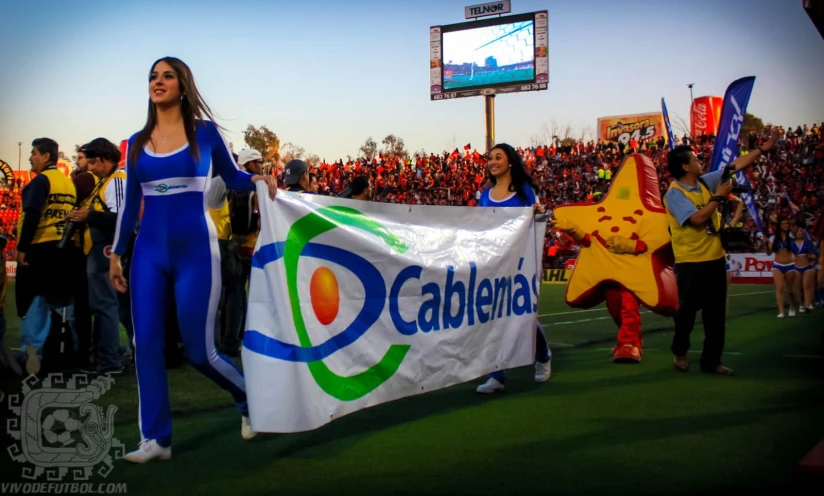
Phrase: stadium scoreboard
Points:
(492, 56)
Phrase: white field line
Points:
(604, 309)
(663, 351)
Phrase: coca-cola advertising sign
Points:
(705, 115)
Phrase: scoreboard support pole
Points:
(489, 111)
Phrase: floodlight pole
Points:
(489, 110)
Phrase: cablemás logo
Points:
(162, 188)
(58, 428)
(505, 295)
(298, 243)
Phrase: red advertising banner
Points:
(705, 114)
(124, 149)
(750, 268)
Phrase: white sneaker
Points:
(491, 386)
(543, 371)
(792, 313)
(246, 431)
(148, 451)
(780, 315)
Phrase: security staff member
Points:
(43, 269)
(84, 182)
(99, 212)
(692, 203)
(229, 268)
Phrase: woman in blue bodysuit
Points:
(512, 187)
(169, 167)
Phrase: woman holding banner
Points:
(512, 187)
(169, 166)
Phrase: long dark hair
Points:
(517, 171)
(779, 234)
(192, 107)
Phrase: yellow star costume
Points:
(628, 241)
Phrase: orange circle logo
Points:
(325, 296)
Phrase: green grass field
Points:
(457, 82)
(593, 428)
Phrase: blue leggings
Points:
(542, 353)
(193, 274)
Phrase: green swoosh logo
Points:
(344, 388)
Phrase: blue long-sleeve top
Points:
(175, 185)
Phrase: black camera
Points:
(728, 170)
(727, 175)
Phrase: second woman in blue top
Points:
(512, 187)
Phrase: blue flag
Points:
(671, 143)
(733, 111)
(732, 119)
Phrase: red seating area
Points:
(9, 214)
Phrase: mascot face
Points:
(628, 223)
(631, 209)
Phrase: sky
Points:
(326, 75)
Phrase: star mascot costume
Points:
(626, 254)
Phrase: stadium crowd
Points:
(788, 183)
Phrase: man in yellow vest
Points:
(237, 260)
(229, 263)
(692, 204)
(99, 212)
(84, 182)
(43, 269)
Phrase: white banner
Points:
(354, 303)
(751, 268)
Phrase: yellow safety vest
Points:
(97, 203)
(247, 241)
(53, 219)
(223, 224)
(692, 243)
